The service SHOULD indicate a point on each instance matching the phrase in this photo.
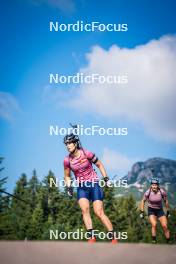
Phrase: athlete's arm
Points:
(164, 196)
(67, 177)
(101, 167)
(142, 205)
(167, 206)
(145, 197)
(142, 208)
(166, 203)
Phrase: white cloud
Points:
(8, 106)
(148, 98)
(117, 162)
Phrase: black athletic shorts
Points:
(156, 212)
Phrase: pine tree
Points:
(6, 231)
(2, 182)
(33, 189)
(36, 224)
(20, 210)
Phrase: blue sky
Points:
(30, 52)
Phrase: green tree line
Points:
(42, 208)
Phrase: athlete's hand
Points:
(107, 181)
(70, 192)
(141, 214)
(167, 213)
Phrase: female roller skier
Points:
(155, 195)
(81, 161)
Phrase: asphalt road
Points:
(46, 252)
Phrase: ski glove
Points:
(167, 213)
(106, 179)
(141, 214)
(70, 191)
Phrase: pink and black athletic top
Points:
(155, 199)
(82, 166)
